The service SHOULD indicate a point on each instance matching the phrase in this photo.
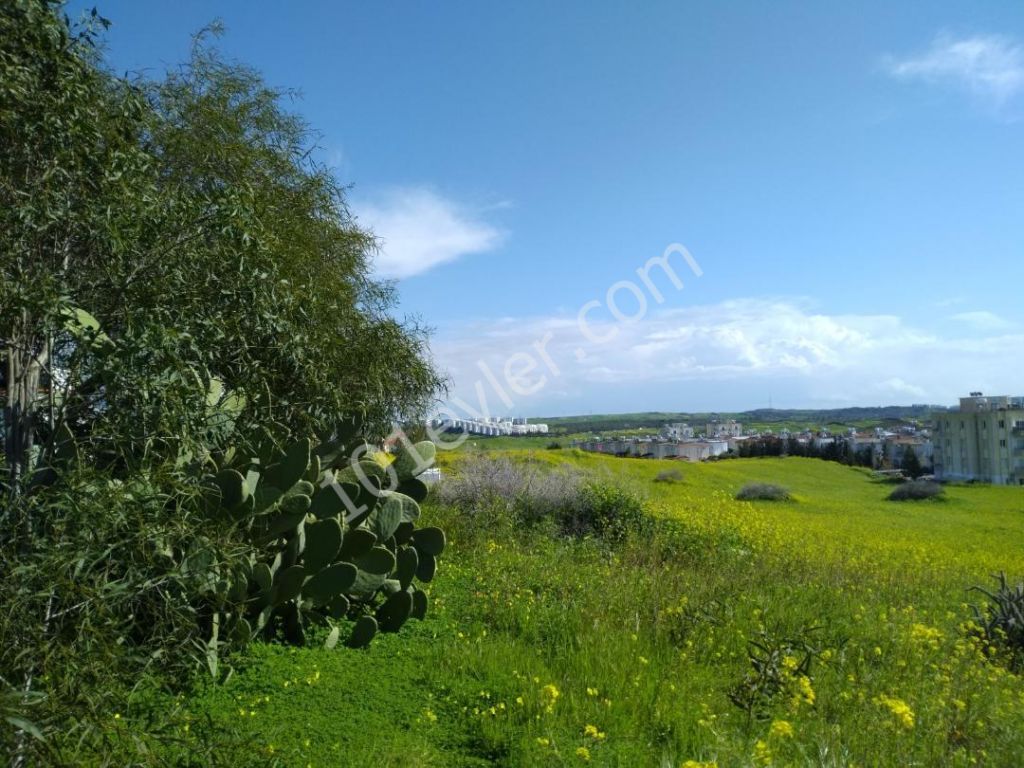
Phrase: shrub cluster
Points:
(916, 490)
(763, 492)
(501, 490)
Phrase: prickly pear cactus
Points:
(333, 532)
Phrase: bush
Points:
(554, 445)
(525, 492)
(763, 492)
(669, 476)
(606, 511)
(917, 490)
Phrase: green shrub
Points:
(606, 511)
(1001, 621)
(763, 492)
(531, 493)
(917, 490)
(669, 476)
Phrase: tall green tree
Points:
(167, 247)
(910, 464)
(188, 218)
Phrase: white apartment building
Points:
(730, 428)
(678, 431)
(982, 441)
(491, 427)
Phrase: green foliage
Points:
(669, 476)
(607, 511)
(778, 665)
(910, 463)
(1000, 622)
(501, 490)
(917, 490)
(169, 248)
(363, 633)
(645, 639)
(762, 492)
(304, 571)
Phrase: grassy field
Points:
(541, 650)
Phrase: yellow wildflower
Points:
(899, 709)
(781, 729)
(762, 753)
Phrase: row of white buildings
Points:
(648, 447)
(490, 427)
(714, 430)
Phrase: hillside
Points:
(761, 418)
(545, 650)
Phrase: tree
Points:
(189, 222)
(167, 248)
(910, 464)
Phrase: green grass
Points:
(644, 643)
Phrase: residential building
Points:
(680, 431)
(490, 426)
(730, 428)
(983, 441)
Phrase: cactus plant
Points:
(323, 541)
(232, 487)
(363, 632)
(383, 521)
(331, 539)
(420, 603)
(394, 611)
(287, 584)
(330, 583)
(426, 567)
(414, 460)
(429, 540)
(408, 562)
(290, 467)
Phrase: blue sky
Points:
(850, 179)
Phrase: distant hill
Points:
(775, 418)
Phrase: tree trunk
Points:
(24, 373)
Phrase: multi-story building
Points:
(730, 428)
(678, 431)
(983, 441)
(490, 426)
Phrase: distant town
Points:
(982, 441)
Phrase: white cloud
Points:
(897, 387)
(989, 66)
(692, 357)
(418, 230)
(982, 320)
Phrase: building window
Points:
(1002, 443)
